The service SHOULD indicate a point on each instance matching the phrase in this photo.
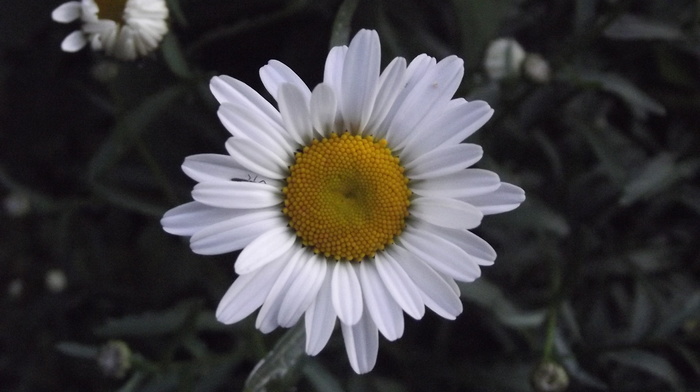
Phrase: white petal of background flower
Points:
(67, 12)
(73, 42)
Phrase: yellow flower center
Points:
(111, 9)
(347, 196)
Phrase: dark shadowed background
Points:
(597, 272)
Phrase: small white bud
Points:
(55, 280)
(16, 204)
(503, 59)
(536, 68)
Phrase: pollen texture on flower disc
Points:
(347, 196)
(111, 9)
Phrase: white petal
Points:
(400, 285)
(465, 183)
(294, 107)
(506, 198)
(457, 122)
(480, 251)
(74, 42)
(440, 254)
(432, 91)
(414, 73)
(446, 212)
(333, 71)
(235, 233)
(247, 293)
(437, 294)
(302, 292)
(385, 312)
(213, 167)
(235, 194)
(443, 160)
(265, 248)
(359, 80)
(275, 74)
(320, 319)
(361, 344)
(67, 12)
(243, 123)
(266, 321)
(189, 218)
(324, 110)
(391, 83)
(346, 293)
(257, 158)
(228, 89)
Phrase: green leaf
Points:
(647, 362)
(640, 102)
(174, 58)
(657, 176)
(632, 27)
(149, 324)
(489, 296)
(77, 350)
(130, 126)
(320, 378)
(281, 366)
(479, 22)
(340, 34)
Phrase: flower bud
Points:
(549, 377)
(503, 59)
(114, 359)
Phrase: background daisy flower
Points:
(124, 29)
(352, 201)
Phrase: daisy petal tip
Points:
(66, 12)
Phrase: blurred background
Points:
(597, 282)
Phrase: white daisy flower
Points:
(124, 29)
(352, 201)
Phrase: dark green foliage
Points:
(598, 271)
